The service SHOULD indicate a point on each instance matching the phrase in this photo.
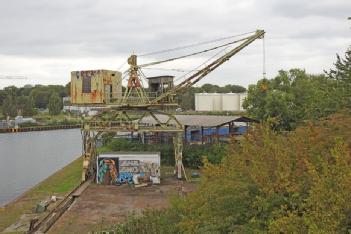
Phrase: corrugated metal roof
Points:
(198, 120)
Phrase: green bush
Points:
(192, 154)
(297, 182)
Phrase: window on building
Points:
(86, 84)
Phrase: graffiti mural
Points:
(129, 169)
(107, 170)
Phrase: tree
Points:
(210, 88)
(342, 74)
(9, 106)
(68, 88)
(293, 97)
(233, 89)
(21, 102)
(41, 98)
(55, 104)
(29, 109)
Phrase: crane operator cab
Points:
(160, 84)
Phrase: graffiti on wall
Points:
(116, 171)
(108, 170)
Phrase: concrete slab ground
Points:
(100, 206)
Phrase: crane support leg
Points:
(178, 153)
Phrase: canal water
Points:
(28, 158)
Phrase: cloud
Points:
(45, 40)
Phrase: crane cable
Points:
(193, 45)
(198, 67)
(192, 54)
(193, 79)
(264, 59)
(167, 69)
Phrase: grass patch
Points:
(60, 183)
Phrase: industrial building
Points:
(219, 101)
(95, 86)
(160, 84)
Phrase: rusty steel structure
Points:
(95, 86)
(139, 102)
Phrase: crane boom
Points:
(193, 79)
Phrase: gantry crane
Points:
(115, 114)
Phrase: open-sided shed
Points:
(206, 128)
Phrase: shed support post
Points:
(202, 135)
(217, 133)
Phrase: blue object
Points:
(125, 177)
(195, 174)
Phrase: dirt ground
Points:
(101, 206)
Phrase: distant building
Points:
(11, 123)
(219, 101)
(78, 110)
(20, 120)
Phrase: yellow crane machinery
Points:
(137, 100)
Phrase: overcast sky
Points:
(46, 40)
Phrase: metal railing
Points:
(134, 98)
(127, 126)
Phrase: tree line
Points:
(294, 96)
(26, 100)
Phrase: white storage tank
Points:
(216, 101)
(230, 102)
(219, 101)
(203, 102)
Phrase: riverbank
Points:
(39, 128)
(59, 184)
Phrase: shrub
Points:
(192, 154)
(297, 182)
